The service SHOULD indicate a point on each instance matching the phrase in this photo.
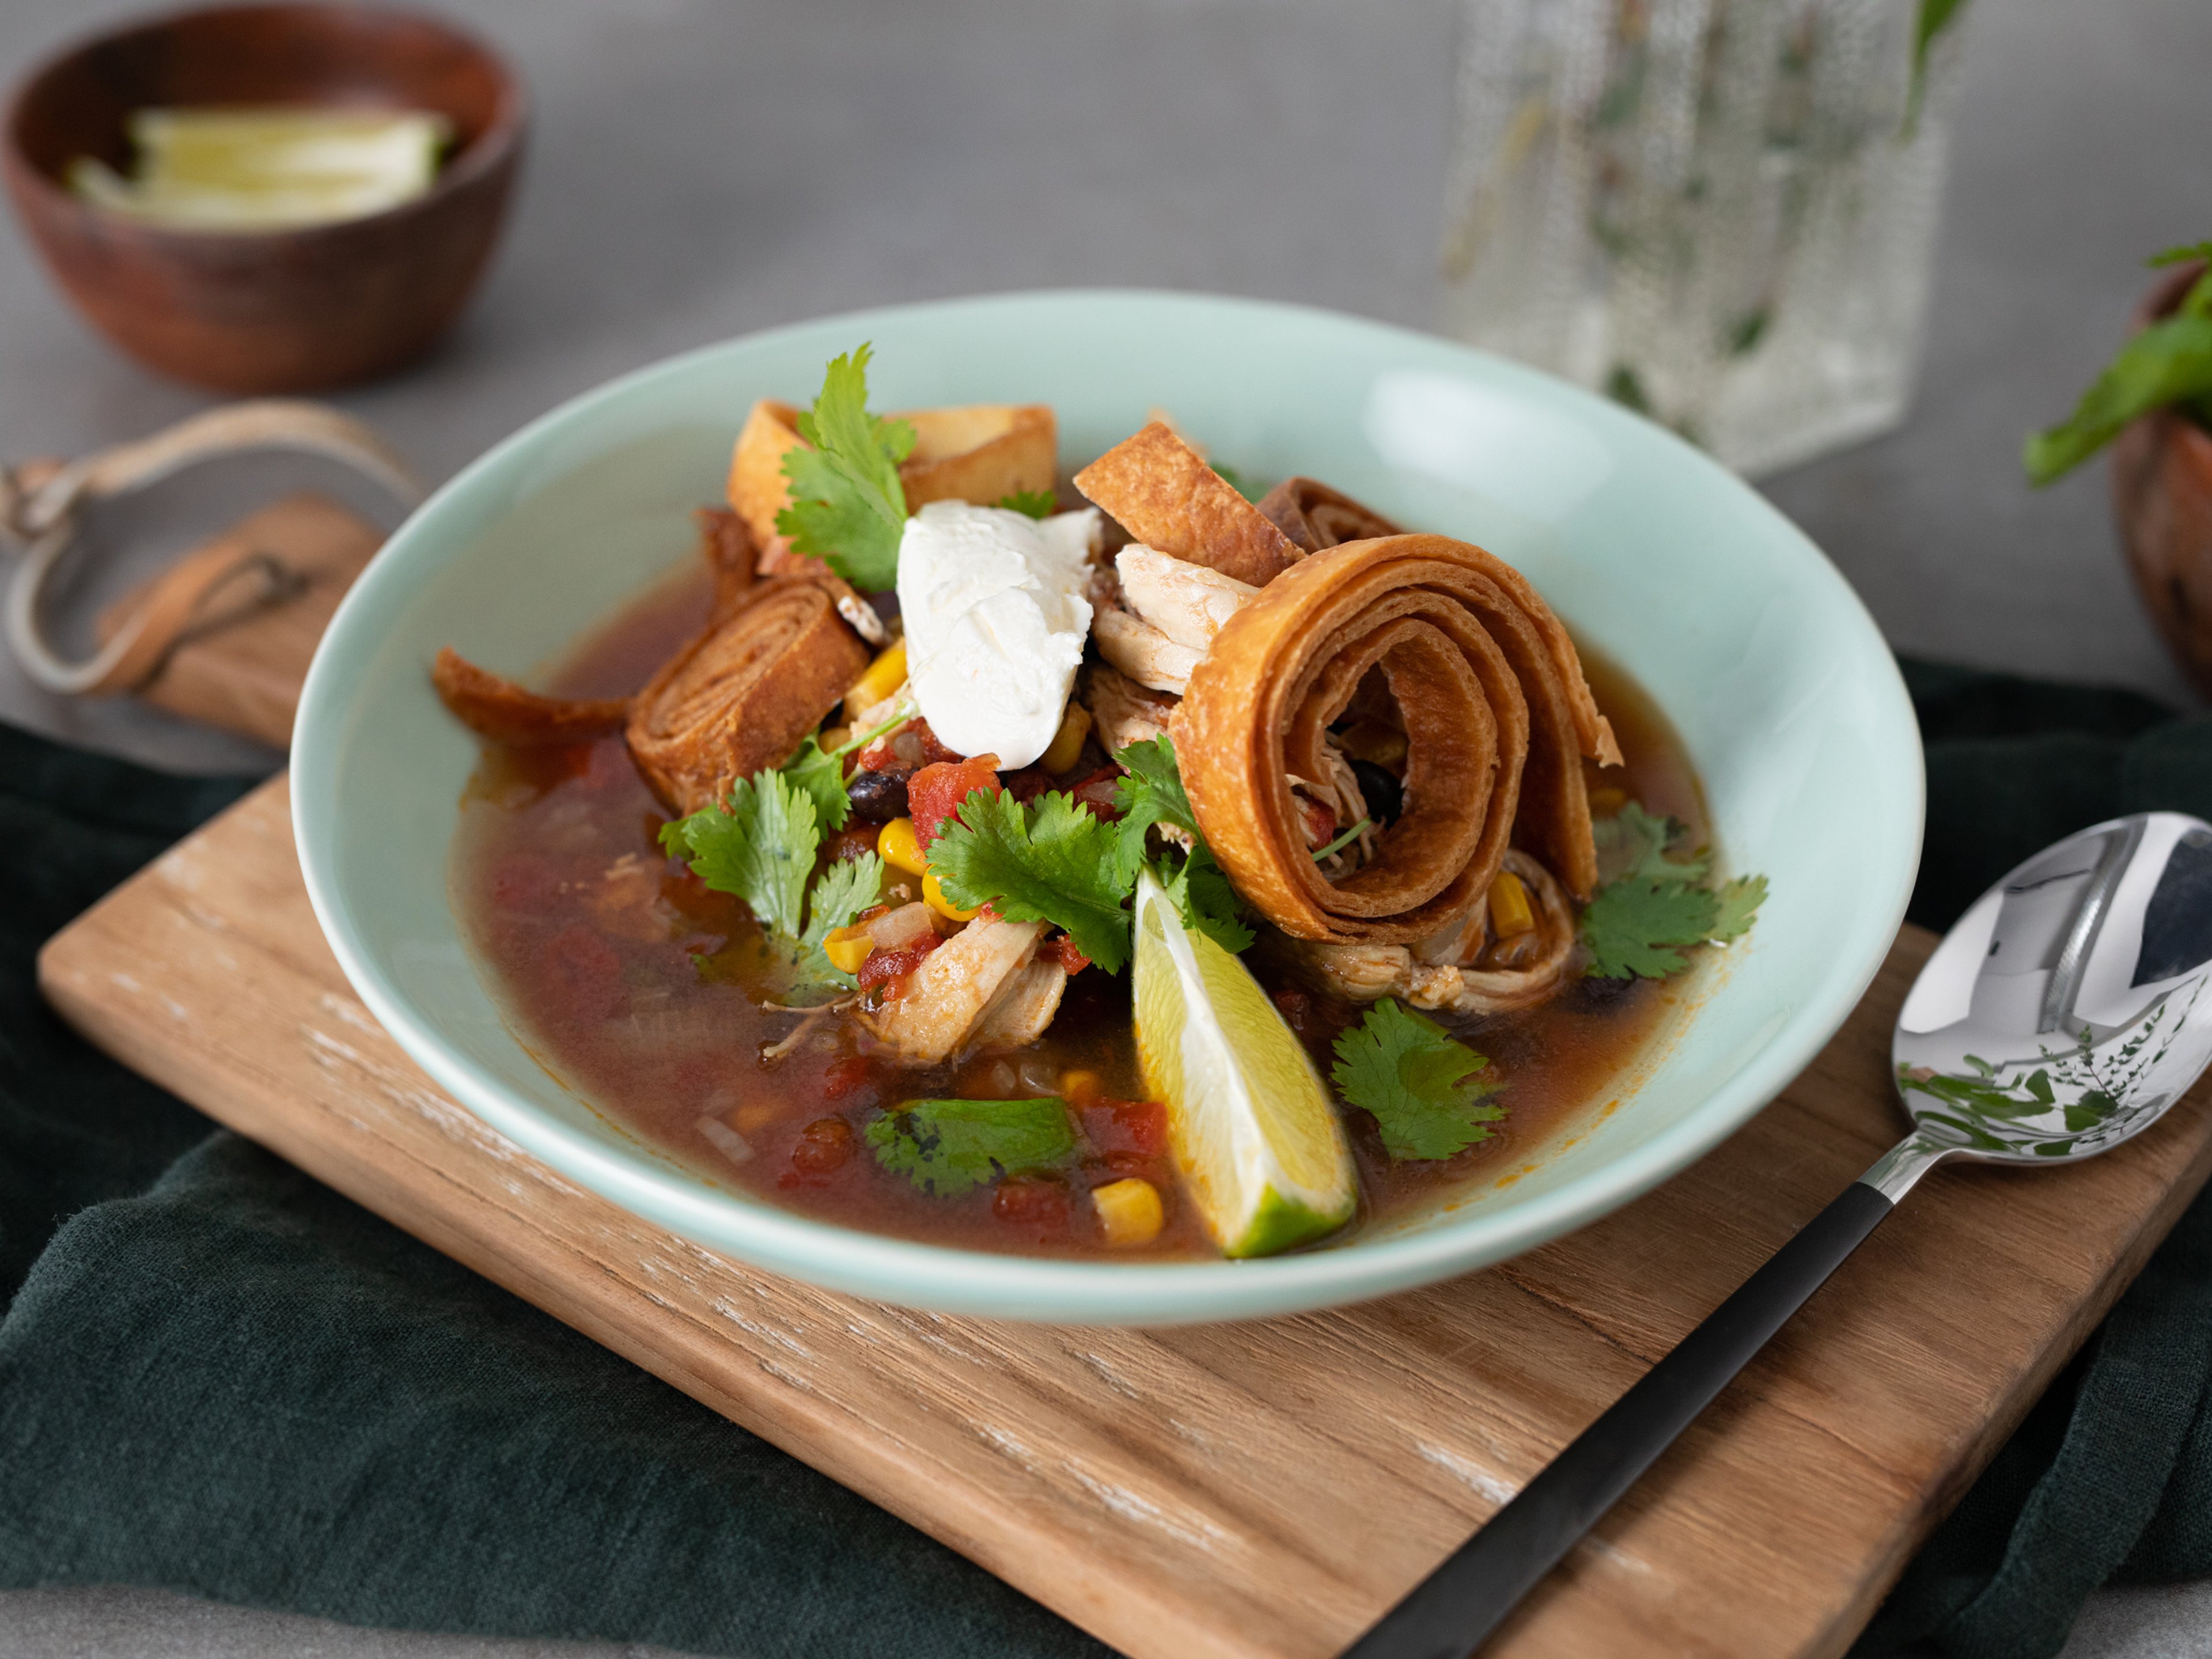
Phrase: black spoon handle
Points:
(1449, 1613)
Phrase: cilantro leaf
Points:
(947, 1147)
(1629, 922)
(820, 777)
(1251, 489)
(1037, 503)
(821, 773)
(841, 893)
(1631, 845)
(1419, 1082)
(1150, 793)
(759, 847)
(1052, 860)
(1201, 890)
(848, 505)
(1739, 901)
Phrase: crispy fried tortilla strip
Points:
(1497, 715)
(979, 452)
(732, 558)
(501, 710)
(742, 694)
(1316, 517)
(1162, 491)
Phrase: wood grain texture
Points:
(1251, 1490)
(245, 673)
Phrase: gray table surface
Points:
(703, 168)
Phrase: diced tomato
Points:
(932, 751)
(935, 794)
(1071, 959)
(1126, 1126)
(1321, 822)
(1031, 1201)
(1096, 791)
(885, 965)
(821, 1147)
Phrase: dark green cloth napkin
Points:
(219, 1377)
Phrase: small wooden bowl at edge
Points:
(2161, 485)
(272, 311)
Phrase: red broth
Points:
(628, 979)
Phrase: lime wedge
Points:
(255, 169)
(1253, 1128)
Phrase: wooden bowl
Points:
(269, 311)
(2161, 485)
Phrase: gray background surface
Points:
(700, 169)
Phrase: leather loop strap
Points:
(39, 508)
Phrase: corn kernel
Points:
(900, 847)
(1066, 744)
(1078, 1086)
(1509, 914)
(880, 679)
(847, 948)
(833, 738)
(1128, 1212)
(933, 896)
(1607, 800)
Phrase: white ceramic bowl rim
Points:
(958, 1280)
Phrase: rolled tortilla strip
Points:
(499, 709)
(1496, 711)
(1161, 490)
(979, 452)
(742, 695)
(1316, 517)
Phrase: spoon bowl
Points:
(2066, 1011)
(2062, 1014)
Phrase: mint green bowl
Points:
(1767, 664)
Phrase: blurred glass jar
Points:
(1721, 213)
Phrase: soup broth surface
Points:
(640, 989)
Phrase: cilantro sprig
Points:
(1153, 793)
(1424, 1087)
(759, 847)
(821, 772)
(848, 506)
(2168, 363)
(946, 1147)
(1051, 861)
(1056, 860)
(1656, 906)
(1036, 503)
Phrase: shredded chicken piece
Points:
(1121, 711)
(1187, 601)
(1340, 791)
(948, 995)
(1141, 651)
(1439, 972)
(1024, 1007)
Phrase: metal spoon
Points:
(2063, 1015)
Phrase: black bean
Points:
(1384, 798)
(877, 797)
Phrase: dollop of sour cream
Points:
(995, 621)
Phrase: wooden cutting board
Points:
(1238, 1491)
